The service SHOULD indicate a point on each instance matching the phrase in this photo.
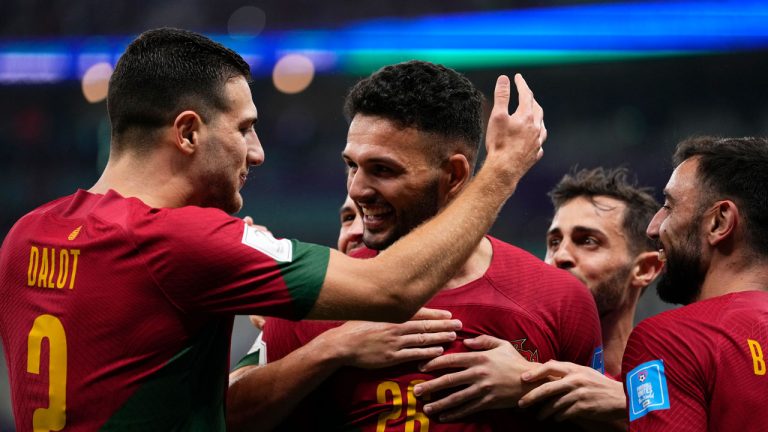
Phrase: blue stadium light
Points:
(557, 35)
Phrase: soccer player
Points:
(598, 234)
(351, 228)
(116, 303)
(412, 142)
(702, 367)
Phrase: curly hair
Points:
(614, 183)
(429, 97)
(163, 72)
(735, 169)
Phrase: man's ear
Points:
(457, 173)
(186, 131)
(647, 267)
(721, 221)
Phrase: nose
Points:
(653, 227)
(255, 156)
(359, 187)
(561, 257)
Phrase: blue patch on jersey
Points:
(647, 389)
(597, 360)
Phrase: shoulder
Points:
(525, 267)
(687, 335)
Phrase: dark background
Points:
(629, 113)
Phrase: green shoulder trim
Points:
(304, 275)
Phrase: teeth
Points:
(662, 255)
(374, 211)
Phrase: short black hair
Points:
(164, 72)
(615, 183)
(426, 96)
(735, 169)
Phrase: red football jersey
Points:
(546, 313)
(701, 367)
(117, 316)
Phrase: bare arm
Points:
(393, 285)
(579, 394)
(260, 397)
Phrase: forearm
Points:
(260, 397)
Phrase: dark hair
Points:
(425, 96)
(735, 169)
(614, 183)
(164, 72)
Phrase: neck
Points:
(731, 274)
(475, 267)
(616, 327)
(144, 178)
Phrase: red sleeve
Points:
(683, 349)
(280, 337)
(206, 261)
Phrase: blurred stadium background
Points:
(620, 82)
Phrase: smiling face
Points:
(351, 231)
(586, 238)
(229, 146)
(392, 177)
(677, 227)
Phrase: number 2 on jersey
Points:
(52, 418)
(389, 392)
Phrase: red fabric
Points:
(709, 367)
(147, 282)
(544, 311)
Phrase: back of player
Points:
(701, 367)
(75, 271)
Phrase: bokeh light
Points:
(293, 73)
(96, 82)
(247, 21)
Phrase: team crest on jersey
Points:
(279, 250)
(76, 232)
(647, 389)
(530, 355)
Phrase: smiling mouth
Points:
(373, 216)
(662, 252)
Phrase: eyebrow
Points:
(379, 159)
(580, 229)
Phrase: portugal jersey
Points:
(701, 367)
(544, 312)
(117, 316)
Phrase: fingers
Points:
(248, 220)
(426, 339)
(550, 368)
(525, 101)
(457, 360)
(431, 314)
(444, 382)
(484, 342)
(470, 396)
(543, 392)
(416, 354)
(501, 94)
(471, 407)
(258, 321)
(427, 326)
